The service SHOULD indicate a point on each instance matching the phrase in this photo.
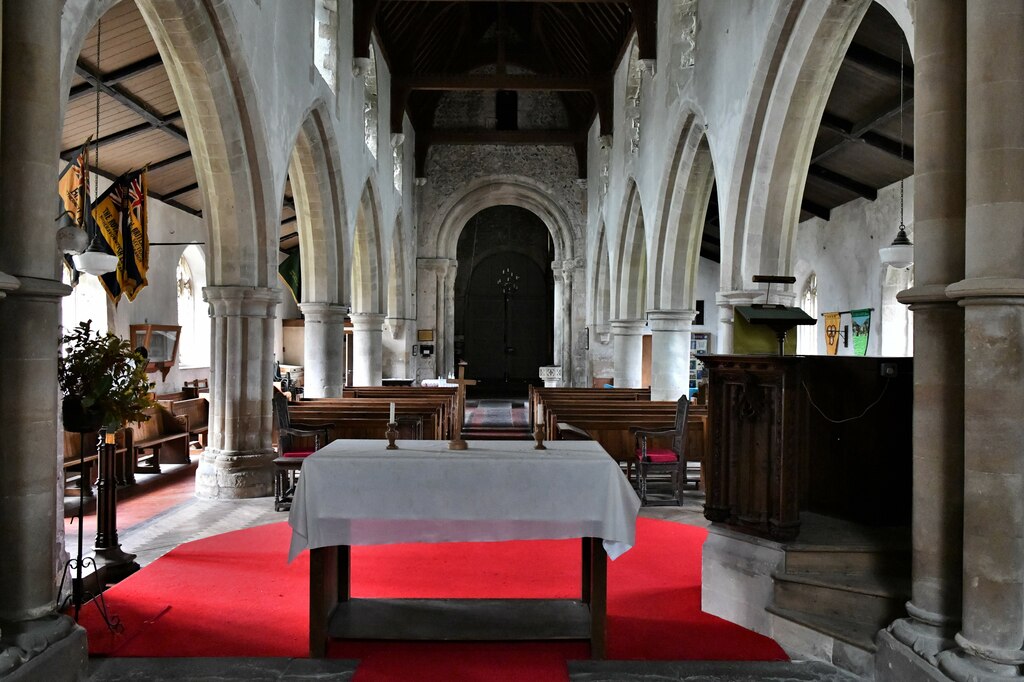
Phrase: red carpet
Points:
(234, 595)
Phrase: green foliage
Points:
(108, 375)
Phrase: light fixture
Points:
(94, 260)
(899, 254)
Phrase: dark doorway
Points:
(504, 294)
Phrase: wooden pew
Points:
(197, 418)
(417, 418)
(163, 439)
(543, 395)
(78, 480)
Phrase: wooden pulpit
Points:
(830, 435)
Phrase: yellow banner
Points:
(73, 186)
(832, 333)
(106, 213)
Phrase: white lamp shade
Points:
(95, 262)
(897, 255)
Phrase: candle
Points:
(539, 417)
(391, 415)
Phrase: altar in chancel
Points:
(354, 492)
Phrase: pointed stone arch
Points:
(195, 41)
(630, 275)
(799, 67)
(691, 178)
(319, 209)
(601, 284)
(367, 255)
(398, 274)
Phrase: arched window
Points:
(370, 105)
(807, 334)
(88, 301)
(325, 41)
(634, 85)
(194, 343)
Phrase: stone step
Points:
(840, 560)
(870, 600)
(859, 635)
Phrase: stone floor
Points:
(153, 524)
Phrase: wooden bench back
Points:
(197, 410)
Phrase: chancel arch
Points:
(465, 203)
(504, 297)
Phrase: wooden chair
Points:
(672, 459)
(291, 454)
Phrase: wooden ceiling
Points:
(566, 47)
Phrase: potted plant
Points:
(102, 379)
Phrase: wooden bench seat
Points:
(80, 475)
(163, 439)
(197, 414)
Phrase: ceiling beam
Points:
(132, 103)
(645, 21)
(816, 210)
(505, 137)
(844, 182)
(117, 75)
(364, 12)
(156, 165)
(181, 190)
(877, 64)
(488, 82)
(68, 154)
(863, 133)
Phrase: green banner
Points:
(861, 320)
(291, 272)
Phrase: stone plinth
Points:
(551, 376)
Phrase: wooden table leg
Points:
(586, 564)
(598, 597)
(324, 579)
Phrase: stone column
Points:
(627, 352)
(992, 294)
(367, 349)
(433, 286)
(445, 330)
(324, 355)
(727, 302)
(670, 353)
(562, 282)
(35, 641)
(939, 184)
(238, 461)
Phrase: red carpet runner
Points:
(234, 595)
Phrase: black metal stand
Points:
(78, 563)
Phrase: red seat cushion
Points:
(659, 456)
(299, 453)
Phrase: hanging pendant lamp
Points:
(899, 254)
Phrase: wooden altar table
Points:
(354, 492)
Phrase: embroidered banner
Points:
(832, 333)
(861, 320)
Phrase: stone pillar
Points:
(36, 642)
(627, 352)
(939, 184)
(238, 461)
(727, 302)
(446, 329)
(433, 287)
(324, 355)
(562, 281)
(992, 294)
(670, 353)
(367, 349)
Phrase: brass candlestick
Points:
(538, 435)
(392, 433)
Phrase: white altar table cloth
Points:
(355, 492)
